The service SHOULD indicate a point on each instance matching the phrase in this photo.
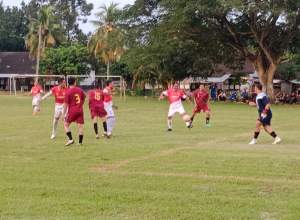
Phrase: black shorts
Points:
(266, 121)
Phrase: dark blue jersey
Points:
(262, 101)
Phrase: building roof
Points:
(16, 63)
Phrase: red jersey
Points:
(74, 98)
(96, 98)
(107, 92)
(201, 97)
(174, 96)
(36, 90)
(59, 94)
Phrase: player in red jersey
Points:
(175, 96)
(201, 99)
(96, 105)
(59, 93)
(108, 105)
(36, 92)
(73, 110)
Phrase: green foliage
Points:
(12, 29)
(66, 59)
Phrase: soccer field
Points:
(146, 173)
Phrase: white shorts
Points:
(58, 112)
(176, 107)
(36, 100)
(108, 106)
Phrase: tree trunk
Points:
(108, 69)
(38, 51)
(266, 75)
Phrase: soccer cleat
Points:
(70, 142)
(208, 125)
(253, 142)
(52, 136)
(169, 129)
(97, 136)
(277, 140)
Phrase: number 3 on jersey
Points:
(77, 99)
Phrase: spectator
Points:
(222, 96)
(213, 92)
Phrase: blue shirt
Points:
(262, 101)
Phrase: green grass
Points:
(145, 172)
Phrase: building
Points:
(15, 63)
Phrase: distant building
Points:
(14, 63)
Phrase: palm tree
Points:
(107, 43)
(44, 32)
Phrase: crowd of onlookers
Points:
(245, 96)
(285, 98)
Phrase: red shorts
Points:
(75, 116)
(203, 108)
(98, 112)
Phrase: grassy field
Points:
(145, 172)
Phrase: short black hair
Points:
(108, 82)
(71, 81)
(259, 86)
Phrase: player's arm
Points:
(47, 95)
(163, 95)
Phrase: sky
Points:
(88, 27)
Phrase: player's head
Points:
(202, 87)
(258, 88)
(36, 82)
(62, 82)
(176, 86)
(72, 81)
(109, 83)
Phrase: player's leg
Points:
(57, 115)
(80, 132)
(207, 118)
(110, 119)
(68, 133)
(104, 124)
(95, 122)
(271, 132)
(256, 132)
(170, 122)
(185, 117)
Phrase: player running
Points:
(59, 93)
(108, 106)
(175, 96)
(264, 116)
(201, 99)
(36, 92)
(73, 110)
(96, 106)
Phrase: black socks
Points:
(96, 128)
(69, 134)
(105, 126)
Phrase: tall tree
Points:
(107, 43)
(71, 13)
(262, 32)
(45, 31)
(12, 29)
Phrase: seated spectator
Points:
(222, 96)
(233, 96)
(245, 96)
